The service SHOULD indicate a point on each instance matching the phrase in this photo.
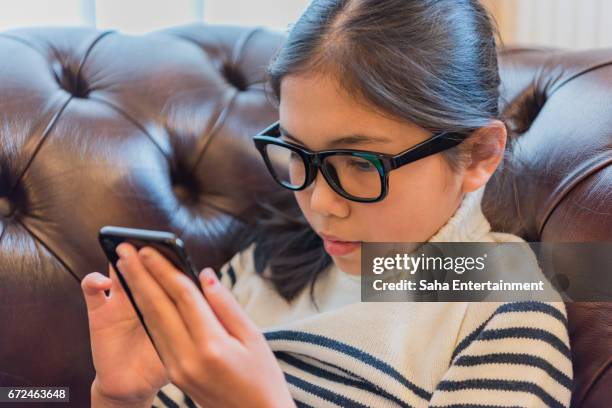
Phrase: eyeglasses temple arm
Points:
(433, 145)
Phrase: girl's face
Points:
(422, 196)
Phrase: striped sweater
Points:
(400, 354)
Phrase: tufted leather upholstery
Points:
(559, 185)
(153, 131)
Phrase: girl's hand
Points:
(211, 349)
(128, 369)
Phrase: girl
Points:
(285, 325)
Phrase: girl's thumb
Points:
(93, 286)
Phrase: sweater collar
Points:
(468, 223)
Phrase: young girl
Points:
(285, 326)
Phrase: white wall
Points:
(139, 16)
(559, 23)
(21, 13)
(275, 14)
(563, 23)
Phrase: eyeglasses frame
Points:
(384, 163)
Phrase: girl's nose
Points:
(324, 200)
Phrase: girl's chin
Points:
(350, 263)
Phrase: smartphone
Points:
(166, 243)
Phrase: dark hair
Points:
(429, 62)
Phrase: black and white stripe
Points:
(383, 372)
(514, 342)
(525, 307)
(515, 355)
(356, 382)
(167, 402)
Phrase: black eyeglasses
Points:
(356, 175)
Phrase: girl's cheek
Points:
(303, 200)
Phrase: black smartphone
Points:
(166, 243)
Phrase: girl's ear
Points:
(485, 150)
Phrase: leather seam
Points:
(133, 121)
(38, 146)
(238, 51)
(576, 75)
(595, 378)
(52, 252)
(88, 51)
(218, 124)
(573, 184)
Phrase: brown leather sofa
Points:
(153, 131)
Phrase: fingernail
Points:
(144, 254)
(210, 276)
(122, 251)
(100, 279)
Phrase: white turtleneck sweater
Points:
(350, 353)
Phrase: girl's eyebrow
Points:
(342, 140)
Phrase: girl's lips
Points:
(340, 248)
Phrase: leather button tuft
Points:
(70, 82)
(6, 208)
(234, 77)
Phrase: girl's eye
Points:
(361, 165)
